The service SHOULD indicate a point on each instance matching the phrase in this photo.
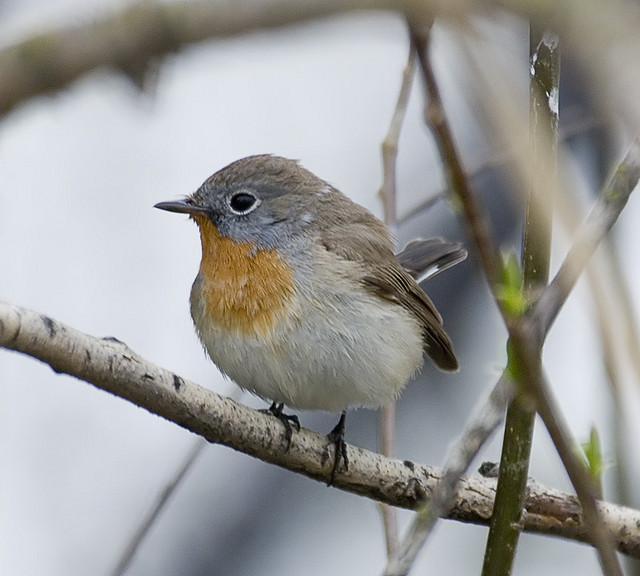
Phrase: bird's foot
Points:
(336, 437)
(287, 420)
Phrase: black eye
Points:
(243, 202)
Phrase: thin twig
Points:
(164, 497)
(485, 419)
(528, 336)
(603, 216)
(456, 178)
(471, 441)
(500, 160)
(388, 192)
(389, 146)
(488, 257)
(608, 207)
(387, 444)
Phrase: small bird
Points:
(299, 297)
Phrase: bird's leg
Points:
(336, 436)
(286, 419)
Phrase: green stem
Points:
(505, 526)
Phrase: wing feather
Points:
(364, 239)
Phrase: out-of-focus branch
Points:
(525, 343)
(390, 143)
(603, 216)
(162, 500)
(133, 38)
(481, 424)
(489, 416)
(458, 183)
(112, 366)
(129, 40)
(544, 62)
(388, 194)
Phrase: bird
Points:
(300, 299)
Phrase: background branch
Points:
(132, 39)
(524, 350)
(436, 120)
(544, 62)
(154, 513)
(388, 192)
(611, 201)
(482, 423)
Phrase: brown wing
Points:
(366, 240)
(393, 283)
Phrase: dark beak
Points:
(182, 207)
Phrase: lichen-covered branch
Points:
(112, 366)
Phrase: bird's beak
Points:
(182, 206)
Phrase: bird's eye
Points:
(243, 202)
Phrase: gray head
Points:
(259, 199)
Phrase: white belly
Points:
(330, 353)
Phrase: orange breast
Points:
(245, 290)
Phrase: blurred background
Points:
(79, 240)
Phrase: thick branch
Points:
(112, 366)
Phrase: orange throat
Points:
(245, 289)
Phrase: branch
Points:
(489, 415)
(162, 500)
(388, 193)
(389, 146)
(523, 344)
(544, 61)
(112, 366)
(457, 181)
(611, 201)
(132, 39)
(482, 423)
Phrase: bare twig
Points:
(527, 337)
(605, 213)
(466, 448)
(456, 178)
(482, 423)
(500, 160)
(390, 143)
(531, 378)
(159, 506)
(388, 194)
(112, 366)
(603, 216)
(518, 329)
(387, 445)
(473, 439)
